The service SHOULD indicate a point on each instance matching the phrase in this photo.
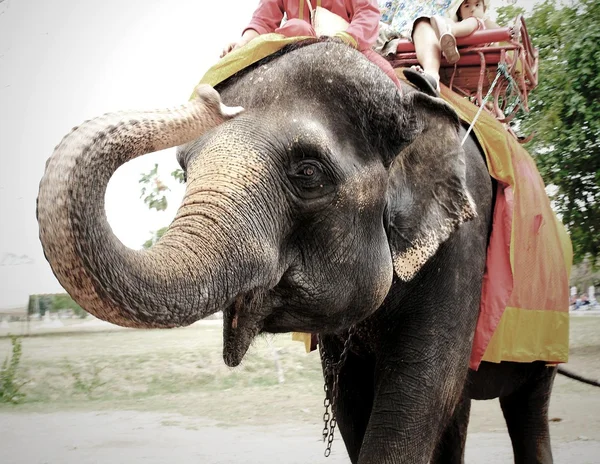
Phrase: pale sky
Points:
(65, 61)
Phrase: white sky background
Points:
(65, 61)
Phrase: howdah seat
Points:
(503, 58)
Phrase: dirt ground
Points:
(151, 438)
(190, 426)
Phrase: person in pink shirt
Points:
(363, 16)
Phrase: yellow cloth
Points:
(534, 322)
(305, 338)
(240, 58)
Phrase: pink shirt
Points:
(363, 16)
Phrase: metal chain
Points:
(332, 371)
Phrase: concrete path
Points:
(131, 437)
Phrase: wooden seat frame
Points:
(481, 54)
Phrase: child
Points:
(362, 16)
(469, 17)
(412, 20)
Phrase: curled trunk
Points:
(165, 286)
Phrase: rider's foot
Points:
(447, 40)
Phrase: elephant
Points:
(319, 198)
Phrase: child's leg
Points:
(427, 48)
(447, 42)
(465, 27)
(296, 28)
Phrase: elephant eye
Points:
(311, 179)
(308, 174)
(308, 171)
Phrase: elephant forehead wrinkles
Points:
(228, 159)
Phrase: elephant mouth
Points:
(243, 320)
(263, 310)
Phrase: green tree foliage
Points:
(155, 237)
(53, 303)
(64, 301)
(32, 306)
(565, 113)
(154, 195)
(154, 190)
(178, 175)
(44, 304)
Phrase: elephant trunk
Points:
(169, 285)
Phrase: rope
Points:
(512, 85)
(502, 71)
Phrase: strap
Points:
(310, 7)
(312, 12)
(501, 72)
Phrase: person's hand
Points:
(229, 47)
(248, 35)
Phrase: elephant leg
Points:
(526, 414)
(451, 447)
(354, 398)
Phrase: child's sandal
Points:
(447, 40)
(449, 49)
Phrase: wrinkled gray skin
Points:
(331, 201)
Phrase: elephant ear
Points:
(427, 197)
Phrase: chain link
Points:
(326, 415)
(331, 372)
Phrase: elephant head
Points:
(297, 212)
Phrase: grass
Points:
(182, 370)
(10, 387)
(179, 370)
